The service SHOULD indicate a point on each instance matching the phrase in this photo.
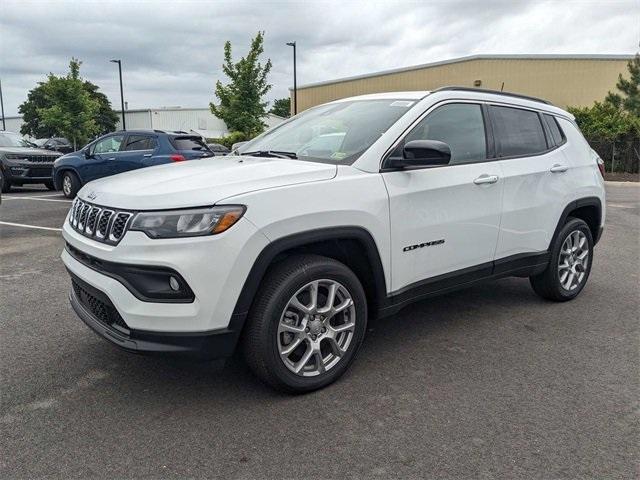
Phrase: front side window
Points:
(459, 125)
(108, 145)
(517, 131)
(334, 133)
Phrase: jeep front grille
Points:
(99, 223)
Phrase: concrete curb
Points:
(622, 184)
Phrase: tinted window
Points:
(188, 143)
(518, 132)
(140, 142)
(554, 128)
(460, 126)
(108, 145)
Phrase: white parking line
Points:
(38, 199)
(11, 224)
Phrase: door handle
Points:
(485, 179)
(111, 158)
(557, 168)
(147, 155)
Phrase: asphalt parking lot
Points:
(485, 382)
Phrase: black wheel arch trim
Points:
(57, 177)
(269, 253)
(574, 205)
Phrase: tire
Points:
(556, 282)
(5, 185)
(70, 184)
(267, 330)
(50, 185)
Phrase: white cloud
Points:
(172, 51)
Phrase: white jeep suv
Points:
(350, 210)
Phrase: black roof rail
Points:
(496, 92)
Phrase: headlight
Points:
(187, 223)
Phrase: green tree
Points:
(629, 100)
(70, 110)
(281, 107)
(241, 106)
(106, 118)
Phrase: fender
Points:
(581, 202)
(58, 175)
(269, 253)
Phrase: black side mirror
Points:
(419, 153)
(87, 153)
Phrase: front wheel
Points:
(70, 184)
(306, 324)
(570, 263)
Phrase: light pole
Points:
(295, 79)
(124, 124)
(4, 126)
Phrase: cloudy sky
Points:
(172, 50)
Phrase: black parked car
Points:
(58, 144)
(217, 149)
(22, 162)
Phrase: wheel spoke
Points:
(335, 347)
(286, 351)
(298, 305)
(319, 361)
(343, 328)
(300, 364)
(331, 298)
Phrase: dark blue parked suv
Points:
(123, 151)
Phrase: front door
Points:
(445, 220)
(101, 163)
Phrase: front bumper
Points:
(199, 345)
(28, 173)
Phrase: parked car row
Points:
(24, 162)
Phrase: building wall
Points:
(564, 81)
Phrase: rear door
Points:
(445, 220)
(536, 174)
(138, 152)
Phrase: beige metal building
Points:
(565, 80)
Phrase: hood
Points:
(199, 183)
(29, 151)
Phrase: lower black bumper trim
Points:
(198, 345)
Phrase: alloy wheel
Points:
(316, 327)
(66, 185)
(573, 260)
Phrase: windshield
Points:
(14, 140)
(335, 133)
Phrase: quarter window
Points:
(556, 134)
(517, 131)
(460, 125)
(108, 145)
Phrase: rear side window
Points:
(140, 142)
(517, 131)
(556, 134)
(188, 143)
(459, 125)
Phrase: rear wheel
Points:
(70, 184)
(570, 263)
(5, 185)
(306, 324)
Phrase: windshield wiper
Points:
(271, 153)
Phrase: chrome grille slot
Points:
(118, 226)
(91, 220)
(101, 224)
